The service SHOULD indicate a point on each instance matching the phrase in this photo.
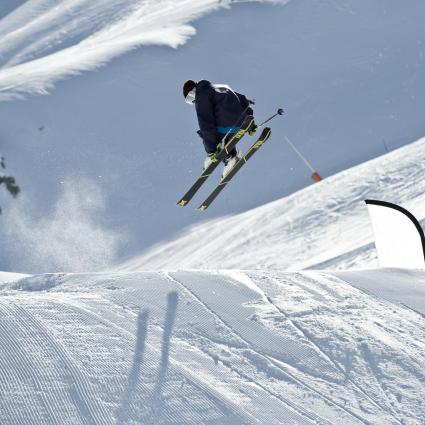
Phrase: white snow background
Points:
(349, 74)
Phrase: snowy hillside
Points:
(209, 348)
(45, 40)
(114, 149)
(326, 225)
(221, 322)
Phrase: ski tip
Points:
(267, 133)
(182, 202)
(202, 208)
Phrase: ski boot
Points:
(230, 162)
(211, 157)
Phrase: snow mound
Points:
(323, 226)
(207, 347)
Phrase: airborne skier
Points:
(224, 117)
(220, 111)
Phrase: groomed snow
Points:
(253, 346)
(208, 348)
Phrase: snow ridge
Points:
(45, 40)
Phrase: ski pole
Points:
(280, 111)
(315, 175)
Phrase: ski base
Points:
(265, 134)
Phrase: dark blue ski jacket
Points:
(219, 110)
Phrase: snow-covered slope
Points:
(195, 346)
(208, 348)
(44, 40)
(323, 226)
(6, 277)
(349, 74)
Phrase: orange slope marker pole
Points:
(315, 175)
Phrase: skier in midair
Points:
(220, 111)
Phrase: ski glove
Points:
(252, 130)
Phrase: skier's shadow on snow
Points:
(134, 374)
(154, 402)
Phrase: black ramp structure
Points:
(399, 237)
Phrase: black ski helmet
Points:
(188, 86)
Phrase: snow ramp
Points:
(207, 347)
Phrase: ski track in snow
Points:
(45, 40)
(192, 347)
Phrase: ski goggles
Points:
(190, 98)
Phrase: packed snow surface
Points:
(251, 347)
(326, 225)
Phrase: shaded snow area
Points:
(326, 225)
(209, 348)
